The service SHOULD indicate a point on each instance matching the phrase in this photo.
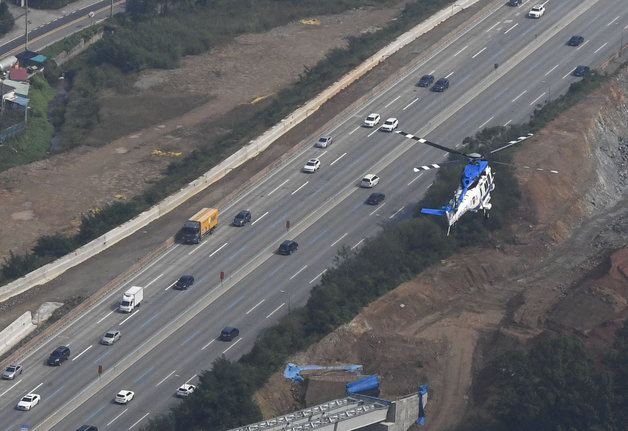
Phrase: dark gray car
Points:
(242, 218)
(60, 354)
(288, 247)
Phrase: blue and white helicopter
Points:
(476, 183)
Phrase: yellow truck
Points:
(202, 223)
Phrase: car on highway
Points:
(88, 428)
(124, 396)
(288, 247)
(369, 181)
(389, 125)
(425, 81)
(312, 166)
(184, 282)
(324, 141)
(441, 85)
(28, 401)
(575, 40)
(514, 2)
(185, 390)
(60, 354)
(228, 333)
(12, 371)
(537, 11)
(242, 218)
(110, 337)
(376, 198)
(371, 120)
(580, 70)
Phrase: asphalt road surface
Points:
(171, 338)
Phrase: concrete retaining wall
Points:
(17, 330)
(58, 267)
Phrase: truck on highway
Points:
(131, 298)
(202, 223)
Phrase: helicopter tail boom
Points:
(433, 211)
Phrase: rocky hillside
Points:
(562, 265)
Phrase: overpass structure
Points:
(346, 414)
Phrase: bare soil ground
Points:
(561, 265)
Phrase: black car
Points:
(441, 85)
(87, 428)
(376, 198)
(60, 354)
(184, 282)
(288, 247)
(580, 70)
(242, 218)
(514, 2)
(425, 81)
(575, 40)
(228, 333)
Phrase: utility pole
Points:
(26, 27)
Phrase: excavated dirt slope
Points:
(563, 265)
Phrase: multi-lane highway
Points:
(172, 337)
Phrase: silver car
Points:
(12, 371)
(110, 337)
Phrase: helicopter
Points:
(476, 183)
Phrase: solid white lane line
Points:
(259, 218)
(298, 272)
(230, 347)
(340, 157)
(338, 240)
(165, 378)
(277, 188)
(219, 248)
(104, 317)
(255, 306)
(79, 355)
(304, 184)
(315, 278)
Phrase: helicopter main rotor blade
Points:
(432, 144)
(439, 165)
(511, 143)
(551, 171)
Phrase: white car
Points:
(28, 402)
(389, 125)
(537, 11)
(110, 337)
(185, 390)
(124, 396)
(369, 181)
(324, 142)
(312, 165)
(372, 120)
